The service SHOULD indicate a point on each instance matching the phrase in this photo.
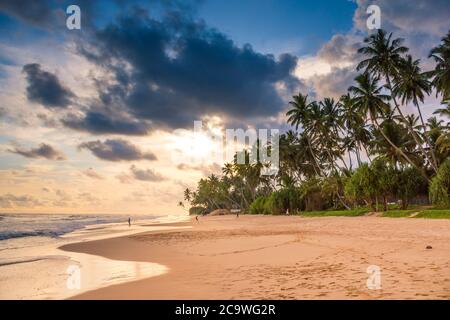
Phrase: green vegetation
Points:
(440, 186)
(434, 214)
(398, 213)
(336, 213)
(400, 158)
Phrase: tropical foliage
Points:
(366, 149)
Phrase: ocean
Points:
(54, 225)
(33, 267)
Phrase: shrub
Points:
(258, 206)
(439, 190)
(285, 199)
(362, 185)
(197, 211)
(409, 184)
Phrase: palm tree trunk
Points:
(427, 140)
(410, 128)
(367, 153)
(314, 157)
(350, 159)
(358, 155)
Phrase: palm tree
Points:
(301, 114)
(441, 73)
(356, 127)
(385, 59)
(385, 55)
(298, 113)
(411, 85)
(370, 101)
(331, 124)
(398, 134)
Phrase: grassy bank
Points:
(418, 213)
(335, 213)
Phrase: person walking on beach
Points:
(196, 218)
(129, 221)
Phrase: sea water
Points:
(32, 266)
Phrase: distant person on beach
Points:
(237, 214)
(196, 218)
(129, 222)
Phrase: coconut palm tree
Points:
(398, 134)
(441, 73)
(370, 101)
(356, 126)
(385, 59)
(297, 115)
(305, 113)
(410, 86)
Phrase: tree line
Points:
(363, 149)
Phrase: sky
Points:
(101, 119)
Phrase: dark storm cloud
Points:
(38, 13)
(100, 123)
(179, 70)
(43, 151)
(116, 150)
(422, 23)
(45, 88)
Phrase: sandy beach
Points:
(284, 257)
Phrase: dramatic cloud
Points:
(116, 150)
(45, 88)
(422, 16)
(341, 49)
(174, 71)
(99, 123)
(422, 24)
(11, 201)
(335, 83)
(43, 151)
(37, 13)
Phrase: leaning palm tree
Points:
(441, 73)
(398, 134)
(370, 100)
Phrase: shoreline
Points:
(283, 257)
(35, 267)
